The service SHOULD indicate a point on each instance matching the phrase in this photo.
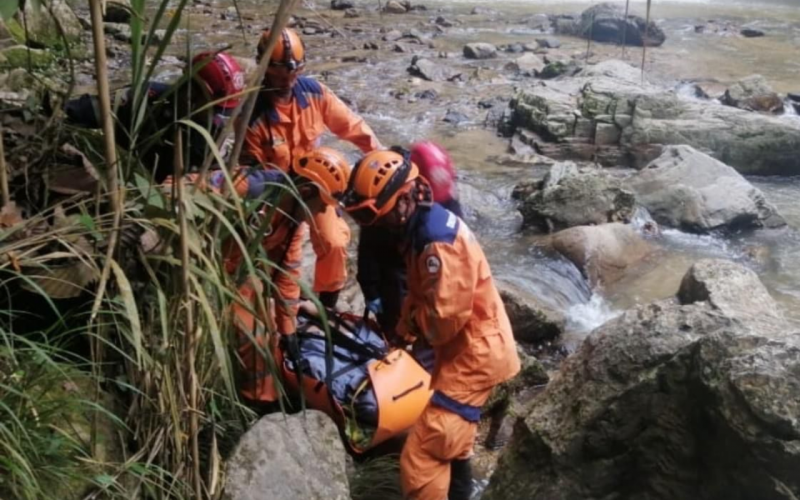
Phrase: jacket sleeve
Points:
(287, 297)
(249, 183)
(443, 303)
(345, 124)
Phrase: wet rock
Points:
(119, 31)
(20, 56)
(753, 93)
(455, 117)
(548, 43)
(480, 50)
(559, 68)
(395, 7)
(404, 47)
(603, 253)
(514, 48)
(731, 289)
(444, 22)
(342, 4)
(431, 71)
(393, 36)
(606, 22)
(36, 27)
(690, 190)
(528, 64)
(352, 13)
(118, 11)
(568, 197)
(371, 46)
(287, 458)
(751, 33)
(650, 395)
(531, 320)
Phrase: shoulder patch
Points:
(433, 264)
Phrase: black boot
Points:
(460, 480)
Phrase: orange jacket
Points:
(279, 133)
(452, 301)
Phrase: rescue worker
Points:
(214, 77)
(321, 177)
(291, 114)
(453, 305)
(381, 270)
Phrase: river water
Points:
(486, 182)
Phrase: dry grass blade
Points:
(6, 197)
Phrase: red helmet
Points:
(436, 166)
(221, 75)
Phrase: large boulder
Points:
(568, 196)
(690, 190)
(730, 288)
(527, 64)
(42, 25)
(566, 114)
(606, 22)
(753, 93)
(480, 50)
(289, 457)
(666, 401)
(531, 320)
(603, 253)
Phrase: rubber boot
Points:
(460, 480)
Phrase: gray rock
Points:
(480, 50)
(352, 13)
(570, 197)
(287, 458)
(118, 11)
(666, 401)
(482, 11)
(690, 190)
(751, 33)
(526, 64)
(548, 43)
(531, 320)
(514, 48)
(606, 134)
(752, 143)
(430, 70)
(393, 36)
(603, 253)
(42, 31)
(394, 7)
(606, 22)
(754, 94)
(342, 4)
(455, 117)
(732, 289)
(444, 22)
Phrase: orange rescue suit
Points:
(279, 133)
(453, 304)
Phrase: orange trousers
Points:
(438, 437)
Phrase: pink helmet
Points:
(436, 166)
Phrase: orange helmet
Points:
(376, 183)
(328, 169)
(288, 53)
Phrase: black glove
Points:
(329, 299)
(290, 345)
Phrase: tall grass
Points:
(159, 327)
